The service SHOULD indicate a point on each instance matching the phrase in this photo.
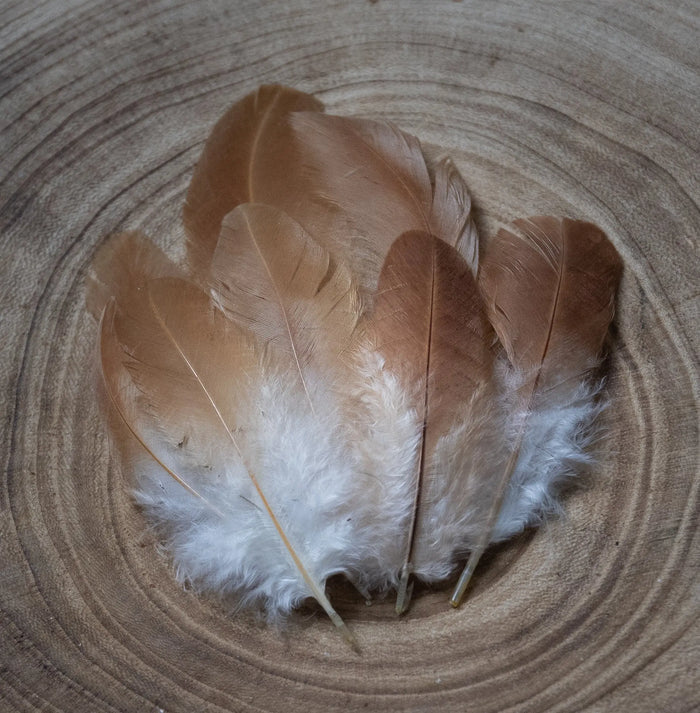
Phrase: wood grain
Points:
(586, 109)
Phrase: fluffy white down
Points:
(460, 486)
(556, 446)
(463, 474)
(306, 476)
(385, 437)
(341, 483)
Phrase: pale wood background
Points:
(584, 108)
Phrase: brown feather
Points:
(430, 326)
(274, 280)
(248, 151)
(117, 294)
(549, 286)
(190, 366)
(451, 213)
(362, 184)
(121, 267)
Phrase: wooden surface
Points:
(589, 109)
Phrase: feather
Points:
(209, 364)
(431, 330)
(249, 151)
(271, 277)
(117, 284)
(179, 372)
(549, 286)
(363, 183)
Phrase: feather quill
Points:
(549, 285)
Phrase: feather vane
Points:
(248, 152)
(271, 277)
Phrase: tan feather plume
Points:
(362, 184)
(340, 178)
(136, 370)
(549, 286)
(210, 354)
(430, 326)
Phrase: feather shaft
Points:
(404, 593)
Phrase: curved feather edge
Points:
(451, 213)
(121, 267)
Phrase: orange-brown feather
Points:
(248, 153)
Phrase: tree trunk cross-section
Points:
(584, 109)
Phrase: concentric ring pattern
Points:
(584, 109)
